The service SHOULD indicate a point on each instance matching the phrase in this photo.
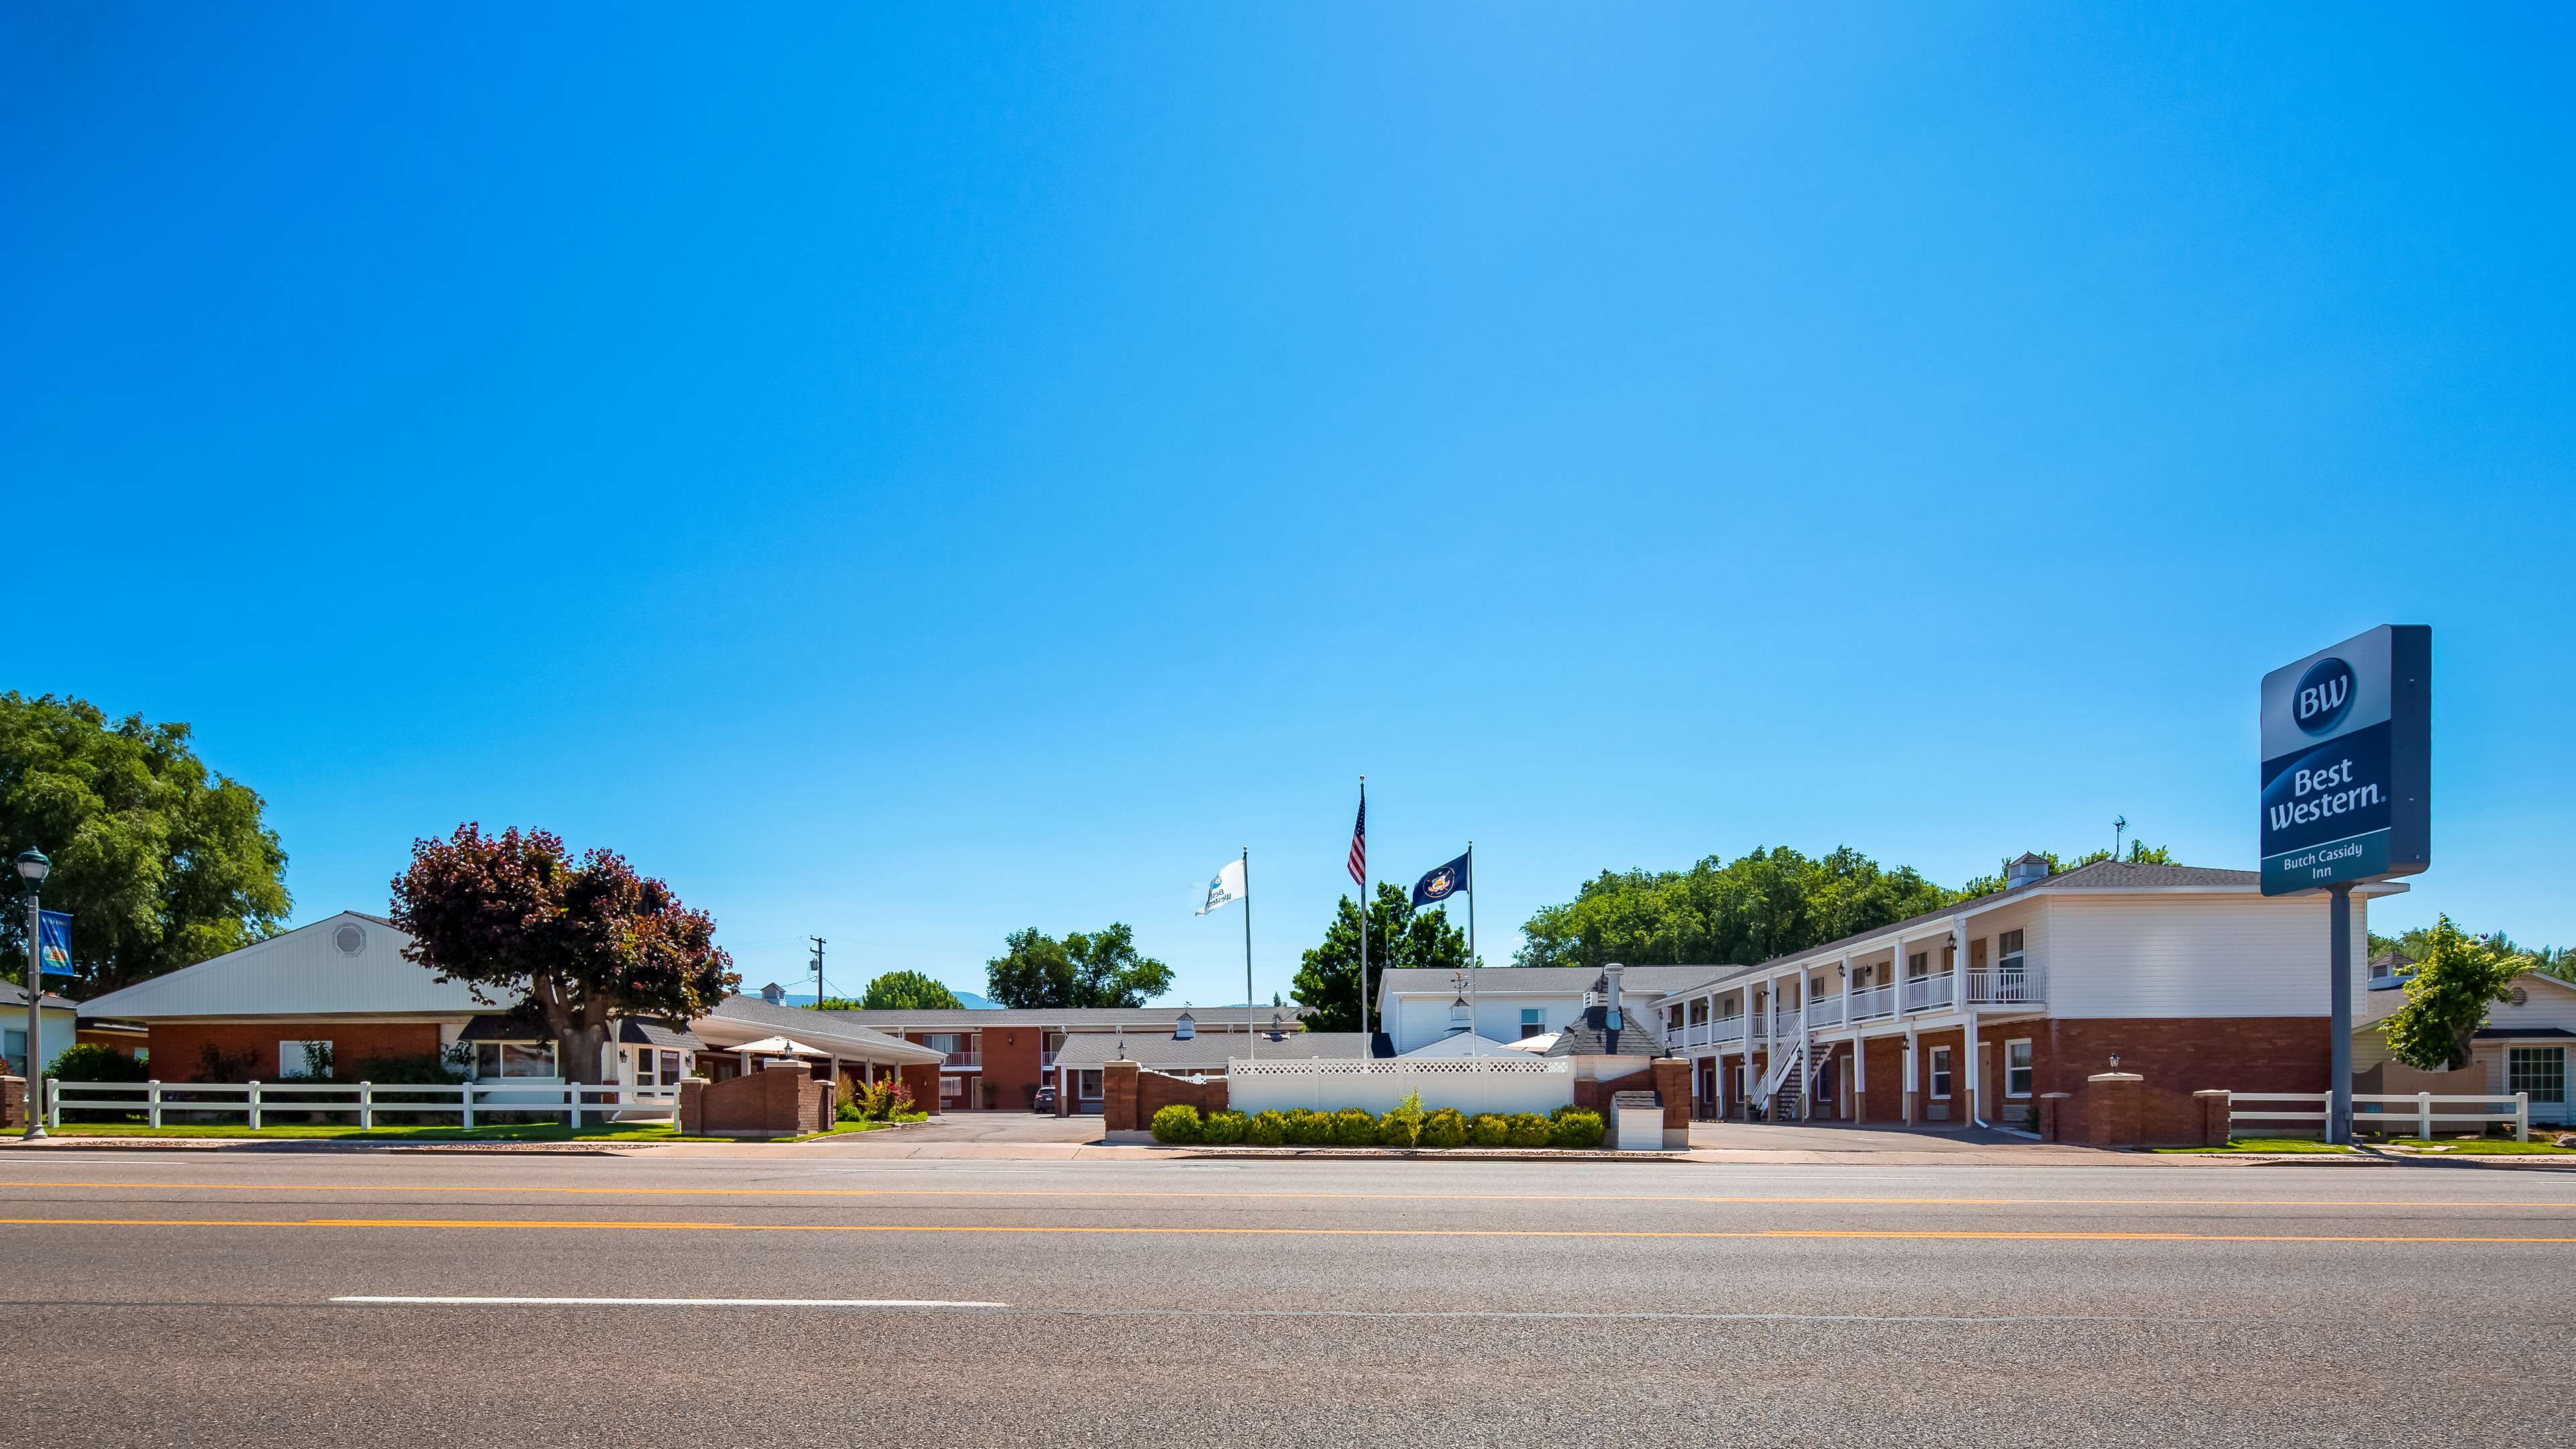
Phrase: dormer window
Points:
(1185, 1028)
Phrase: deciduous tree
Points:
(1399, 936)
(1749, 909)
(2456, 979)
(1086, 969)
(577, 944)
(906, 991)
(163, 862)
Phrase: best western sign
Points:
(2347, 747)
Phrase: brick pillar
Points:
(1118, 1098)
(1673, 1087)
(2051, 1120)
(923, 1082)
(2111, 1111)
(2216, 1118)
(693, 1106)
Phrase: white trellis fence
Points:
(1470, 1084)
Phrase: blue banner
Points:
(54, 942)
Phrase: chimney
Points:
(1610, 995)
(2030, 869)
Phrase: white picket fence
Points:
(1470, 1084)
(365, 1101)
(2412, 1114)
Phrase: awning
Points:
(777, 1046)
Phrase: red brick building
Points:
(994, 1059)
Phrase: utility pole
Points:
(818, 971)
(2119, 823)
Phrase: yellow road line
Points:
(676, 1225)
(869, 1192)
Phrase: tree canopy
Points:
(2413, 944)
(2456, 979)
(901, 991)
(1086, 968)
(1398, 936)
(575, 944)
(1748, 909)
(162, 862)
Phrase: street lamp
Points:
(32, 869)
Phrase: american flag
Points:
(1359, 847)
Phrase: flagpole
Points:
(1368, 1043)
(1251, 1033)
(1472, 963)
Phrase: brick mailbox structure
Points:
(1130, 1096)
(780, 1101)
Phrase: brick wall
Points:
(777, 1101)
(923, 1082)
(178, 1048)
(1011, 1065)
(2186, 1054)
(1118, 1097)
(1885, 1100)
(1155, 1091)
(13, 1102)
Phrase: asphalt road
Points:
(204, 1300)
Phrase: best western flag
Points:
(54, 942)
(1226, 888)
(1442, 882)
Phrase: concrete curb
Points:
(1431, 1154)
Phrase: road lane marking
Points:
(867, 1192)
(487, 1302)
(680, 1225)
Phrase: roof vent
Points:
(1185, 1027)
(2031, 869)
(351, 938)
(773, 993)
(1610, 1015)
(1459, 1018)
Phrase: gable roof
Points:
(1092, 1050)
(1070, 1018)
(1591, 1035)
(1643, 982)
(311, 970)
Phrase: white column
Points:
(1906, 1105)
(1851, 1112)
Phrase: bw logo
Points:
(2324, 696)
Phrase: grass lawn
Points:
(502, 1132)
(2264, 1144)
(2484, 1147)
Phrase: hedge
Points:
(1579, 1129)
(1445, 1128)
(1491, 1129)
(1529, 1129)
(1354, 1128)
(1177, 1123)
(1223, 1128)
(1570, 1127)
(1267, 1129)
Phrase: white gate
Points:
(1470, 1084)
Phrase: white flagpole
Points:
(1251, 1033)
(1471, 938)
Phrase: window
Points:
(2541, 1071)
(303, 1058)
(951, 1086)
(14, 1043)
(1918, 964)
(1941, 1072)
(2008, 952)
(671, 1068)
(2017, 1068)
(1533, 1022)
(493, 1059)
(1086, 1086)
(645, 1059)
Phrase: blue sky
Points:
(909, 475)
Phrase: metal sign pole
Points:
(2339, 1010)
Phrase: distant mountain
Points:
(964, 998)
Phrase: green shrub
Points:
(1310, 1129)
(1529, 1129)
(1445, 1128)
(1267, 1129)
(1398, 1130)
(1223, 1128)
(1491, 1130)
(1579, 1129)
(1177, 1123)
(90, 1062)
(1354, 1128)
(1561, 1113)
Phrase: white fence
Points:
(364, 1101)
(2396, 1114)
(1470, 1084)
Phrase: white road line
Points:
(494, 1302)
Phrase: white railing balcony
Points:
(1998, 987)
(973, 1060)
(1728, 1029)
(1876, 1002)
(1825, 1011)
(1693, 1035)
(1046, 1060)
(1928, 993)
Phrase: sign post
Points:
(2347, 760)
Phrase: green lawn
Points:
(2484, 1147)
(2264, 1144)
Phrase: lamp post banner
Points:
(2347, 752)
(54, 948)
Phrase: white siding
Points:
(2189, 956)
(1417, 1020)
(300, 973)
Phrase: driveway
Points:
(999, 1127)
(1838, 1138)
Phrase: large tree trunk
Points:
(579, 1049)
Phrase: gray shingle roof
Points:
(1589, 1034)
(791, 1020)
(632, 1032)
(1206, 1052)
(1648, 981)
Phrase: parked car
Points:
(1044, 1102)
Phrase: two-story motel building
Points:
(2189, 977)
